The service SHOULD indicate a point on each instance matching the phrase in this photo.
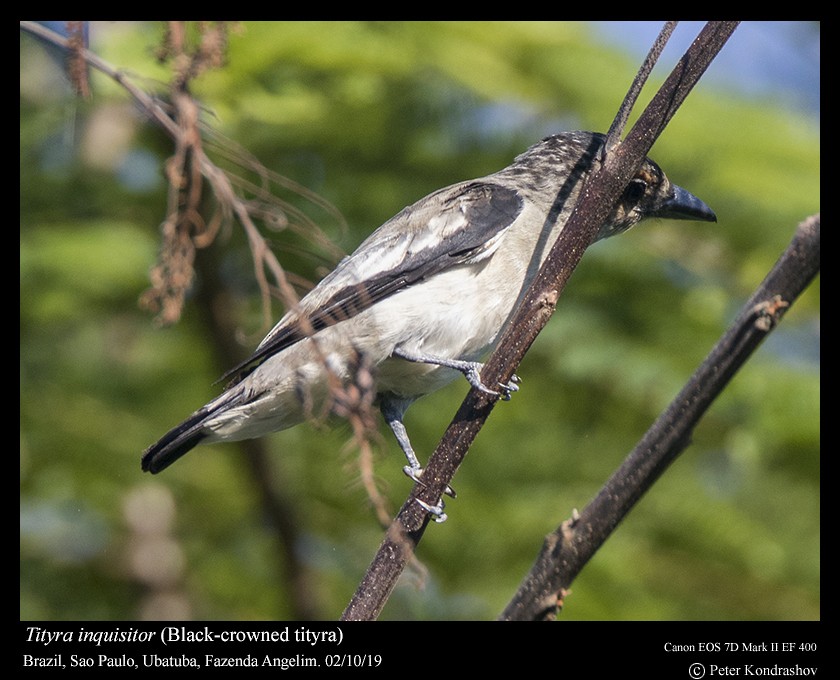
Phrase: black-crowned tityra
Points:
(423, 298)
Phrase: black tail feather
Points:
(175, 443)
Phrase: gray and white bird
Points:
(423, 298)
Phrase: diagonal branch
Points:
(569, 547)
(600, 193)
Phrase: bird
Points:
(423, 298)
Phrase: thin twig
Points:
(231, 203)
(187, 230)
(148, 103)
(629, 101)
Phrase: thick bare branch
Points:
(569, 547)
(598, 196)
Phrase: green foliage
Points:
(372, 116)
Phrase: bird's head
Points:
(651, 194)
(557, 167)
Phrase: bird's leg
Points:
(393, 409)
(470, 369)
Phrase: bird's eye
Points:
(635, 190)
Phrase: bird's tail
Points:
(180, 439)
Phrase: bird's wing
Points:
(453, 226)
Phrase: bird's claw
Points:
(473, 375)
(510, 387)
(505, 389)
(436, 511)
(415, 474)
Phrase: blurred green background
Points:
(372, 116)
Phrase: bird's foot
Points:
(415, 474)
(436, 511)
(472, 372)
(470, 369)
(510, 387)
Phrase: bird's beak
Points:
(683, 205)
